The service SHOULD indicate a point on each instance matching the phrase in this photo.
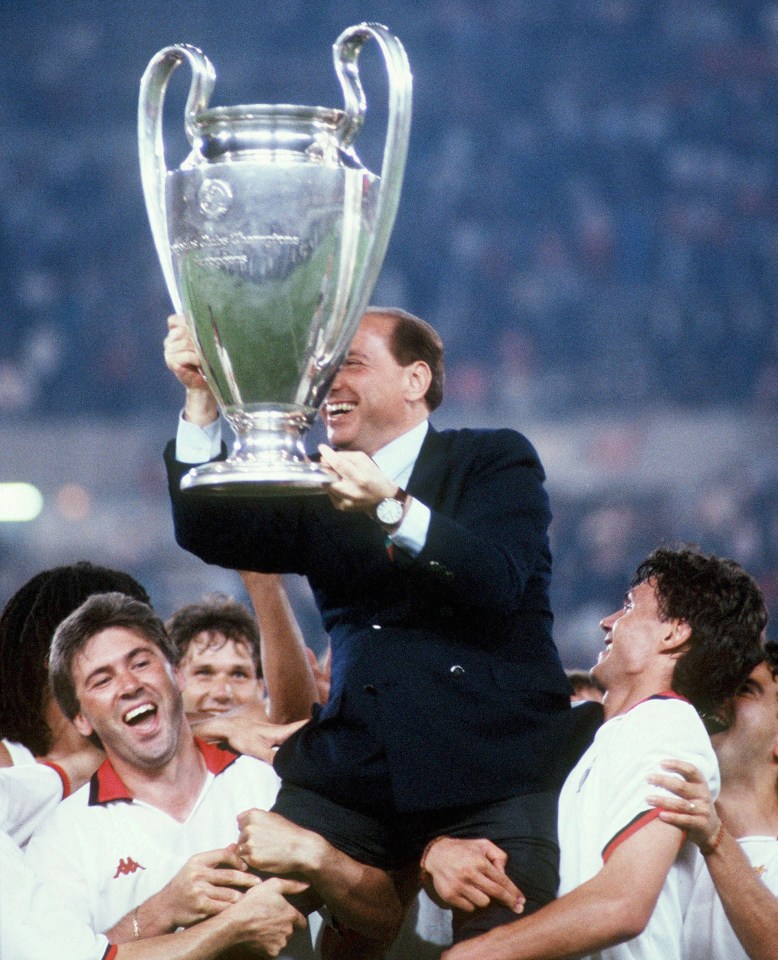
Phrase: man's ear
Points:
(677, 638)
(418, 377)
(83, 726)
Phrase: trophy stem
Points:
(267, 458)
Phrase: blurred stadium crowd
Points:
(589, 218)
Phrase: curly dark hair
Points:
(726, 612)
(27, 625)
(215, 614)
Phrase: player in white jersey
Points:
(35, 923)
(603, 804)
(114, 850)
(733, 913)
(109, 851)
(690, 627)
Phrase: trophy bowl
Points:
(271, 235)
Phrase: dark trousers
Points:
(524, 827)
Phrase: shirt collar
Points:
(399, 456)
(106, 786)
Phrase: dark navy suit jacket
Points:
(443, 667)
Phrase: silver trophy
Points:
(271, 236)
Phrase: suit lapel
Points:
(429, 470)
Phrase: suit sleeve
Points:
(489, 548)
(239, 533)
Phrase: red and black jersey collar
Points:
(106, 786)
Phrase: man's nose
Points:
(607, 622)
(335, 384)
(221, 689)
(129, 684)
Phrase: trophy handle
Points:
(153, 87)
(346, 52)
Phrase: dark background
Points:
(589, 218)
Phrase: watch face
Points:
(389, 511)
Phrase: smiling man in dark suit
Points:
(430, 565)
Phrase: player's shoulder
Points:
(666, 711)
(71, 819)
(252, 769)
(669, 724)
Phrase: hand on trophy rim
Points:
(360, 485)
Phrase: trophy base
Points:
(257, 479)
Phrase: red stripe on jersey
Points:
(217, 758)
(112, 952)
(107, 787)
(632, 827)
(66, 786)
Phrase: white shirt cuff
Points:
(196, 444)
(411, 535)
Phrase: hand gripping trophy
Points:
(271, 236)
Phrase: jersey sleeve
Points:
(34, 923)
(656, 730)
(54, 855)
(28, 795)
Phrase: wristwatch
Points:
(389, 511)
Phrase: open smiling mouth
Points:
(144, 711)
(335, 410)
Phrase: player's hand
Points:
(468, 874)
(690, 805)
(246, 730)
(206, 884)
(266, 919)
(272, 844)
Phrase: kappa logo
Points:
(127, 866)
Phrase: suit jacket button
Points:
(440, 570)
(446, 611)
(369, 688)
(456, 671)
